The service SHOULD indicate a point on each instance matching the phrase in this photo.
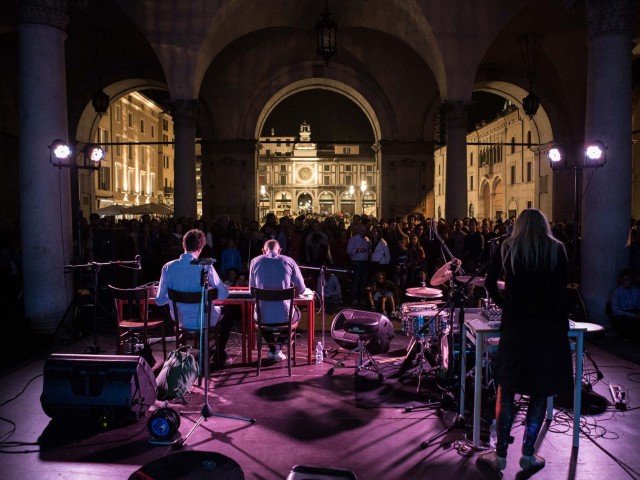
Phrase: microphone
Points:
(138, 260)
(499, 238)
(203, 261)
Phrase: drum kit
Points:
(431, 323)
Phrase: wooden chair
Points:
(132, 314)
(177, 297)
(284, 326)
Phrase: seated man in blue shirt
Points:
(625, 306)
(275, 271)
(184, 276)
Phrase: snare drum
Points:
(417, 307)
(413, 323)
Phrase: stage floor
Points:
(315, 419)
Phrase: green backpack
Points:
(178, 373)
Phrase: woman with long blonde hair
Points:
(534, 356)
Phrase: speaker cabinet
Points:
(101, 387)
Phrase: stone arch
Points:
(321, 83)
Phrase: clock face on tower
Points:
(304, 174)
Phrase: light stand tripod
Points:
(203, 326)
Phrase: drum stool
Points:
(364, 325)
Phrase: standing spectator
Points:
(457, 239)
(473, 248)
(230, 258)
(358, 251)
(380, 255)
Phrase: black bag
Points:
(178, 373)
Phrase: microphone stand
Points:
(95, 270)
(456, 300)
(323, 269)
(203, 326)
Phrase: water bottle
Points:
(493, 434)
(319, 353)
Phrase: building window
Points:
(471, 160)
(513, 145)
(130, 120)
(283, 168)
(165, 160)
(471, 183)
(118, 113)
(529, 204)
(347, 150)
(529, 172)
(326, 168)
(439, 170)
(348, 179)
(165, 124)
(283, 179)
(104, 180)
(141, 125)
(103, 138)
(130, 152)
(513, 174)
(370, 180)
(326, 180)
(347, 168)
(439, 189)
(153, 131)
(369, 168)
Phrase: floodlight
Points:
(60, 153)
(595, 154)
(94, 153)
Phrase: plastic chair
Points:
(132, 314)
(286, 327)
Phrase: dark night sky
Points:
(335, 118)
(332, 117)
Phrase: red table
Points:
(242, 296)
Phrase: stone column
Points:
(184, 125)
(607, 202)
(45, 211)
(456, 172)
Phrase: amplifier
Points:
(101, 387)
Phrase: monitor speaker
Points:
(105, 388)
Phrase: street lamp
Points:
(363, 189)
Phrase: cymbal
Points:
(475, 281)
(445, 272)
(424, 292)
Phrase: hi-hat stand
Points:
(206, 411)
(69, 313)
(323, 269)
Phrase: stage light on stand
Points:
(94, 153)
(556, 158)
(595, 155)
(60, 153)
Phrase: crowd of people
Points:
(405, 252)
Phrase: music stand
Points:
(206, 411)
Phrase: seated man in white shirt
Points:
(183, 275)
(275, 271)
